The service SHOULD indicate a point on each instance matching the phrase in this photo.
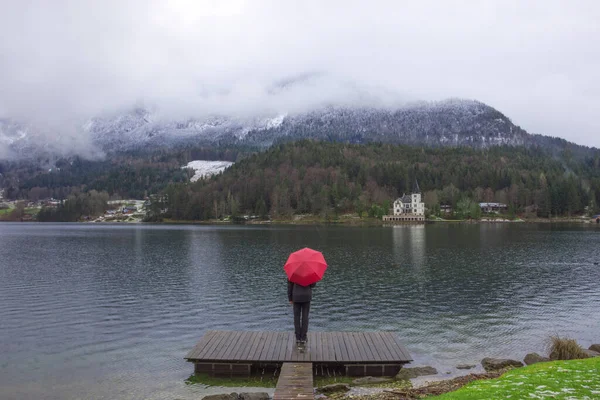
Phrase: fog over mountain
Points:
(66, 64)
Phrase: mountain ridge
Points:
(451, 122)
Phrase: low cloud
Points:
(63, 62)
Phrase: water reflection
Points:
(109, 311)
(409, 245)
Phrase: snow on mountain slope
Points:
(206, 168)
(454, 122)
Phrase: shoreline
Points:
(341, 222)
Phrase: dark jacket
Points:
(298, 293)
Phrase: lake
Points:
(109, 311)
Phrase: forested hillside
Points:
(329, 179)
(133, 174)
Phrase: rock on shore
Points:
(494, 364)
(370, 380)
(411, 373)
(334, 388)
(533, 358)
(591, 353)
(595, 347)
(241, 396)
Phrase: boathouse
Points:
(233, 353)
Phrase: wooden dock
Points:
(230, 353)
(295, 382)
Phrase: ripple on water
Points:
(110, 311)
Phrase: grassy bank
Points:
(270, 381)
(573, 379)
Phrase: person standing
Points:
(300, 297)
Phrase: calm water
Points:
(105, 312)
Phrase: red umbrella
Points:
(305, 266)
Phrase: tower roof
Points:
(416, 189)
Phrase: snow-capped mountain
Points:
(447, 123)
(141, 129)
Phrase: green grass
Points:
(266, 381)
(269, 381)
(574, 379)
(5, 211)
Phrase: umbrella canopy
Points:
(305, 266)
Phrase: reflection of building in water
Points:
(409, 244)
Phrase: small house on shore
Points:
(446, 208)
(493, 207)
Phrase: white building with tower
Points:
(409, 207)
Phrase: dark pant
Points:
(301, 325)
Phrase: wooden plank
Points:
(312, 345)
(246, 350)
(201, 345)
(318, 355)
(395, 352)
(231, 342)
(232, 350)
(274, 356)
(242, 345)
(268, 349)
(262, 338)
(257, 346)
(212, 337)
(384, 352)
(225, 345)
(343, 347)
(368, 350)
(284, 346)
(291, 341)
(361, 347)
(325, 348)
(351, 346)
(305, 354)
(390, 350)
(330, 346)
(322, 347)
(283, 349)
(347, 347)
(295, 382)
(252, 350)
(281, 341)
(375, 350)
(214, 346)
(401, 348)
(336, 347)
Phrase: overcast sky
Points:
(536, 61)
